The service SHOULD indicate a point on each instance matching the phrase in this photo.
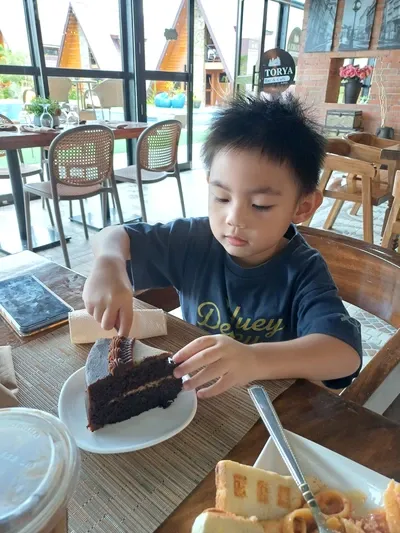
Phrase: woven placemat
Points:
(134, 492)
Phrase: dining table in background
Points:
(13, 238)
(304, 408)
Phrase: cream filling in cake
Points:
(141, 388)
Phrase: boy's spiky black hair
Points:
(279, 128)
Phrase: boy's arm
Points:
(324, 326)
(316, 357)
(156, 255)
(108, 291)
(112, 243)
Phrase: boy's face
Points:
(252, 202)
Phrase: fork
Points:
(271, 420)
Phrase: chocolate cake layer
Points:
(125, 378)
(161, 395)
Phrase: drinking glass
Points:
(65, 109)
(46, 120)
(72, 118)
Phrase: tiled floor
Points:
(162, 203)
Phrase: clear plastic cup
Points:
(39, 471)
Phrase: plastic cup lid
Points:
(39, 469)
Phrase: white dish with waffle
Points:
(265, 498)
(333, 470)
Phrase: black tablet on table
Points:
(29, 306)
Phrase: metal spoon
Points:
(268, 414)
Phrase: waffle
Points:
(248, 491)
(215, 521)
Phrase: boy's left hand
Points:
(218, 356)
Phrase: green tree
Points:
(11, 84)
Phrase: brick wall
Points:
(313, 74)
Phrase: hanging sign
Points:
(171, 34)
(277, 70)
(293, 45)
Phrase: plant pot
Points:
(196, 104)
(385, 132)
(352, 91)
(36, 121)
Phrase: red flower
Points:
(351, 71)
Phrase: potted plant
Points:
(354, 77)
(36, 108)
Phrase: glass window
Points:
(295, 27)
(91, 98)
(84, 34)
(251, 36)
(14, 47)
(168, 100)
(271, 31)
(165, 35)
(15, 91)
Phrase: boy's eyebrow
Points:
(260, 190)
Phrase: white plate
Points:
(139, 432)
(332, 469)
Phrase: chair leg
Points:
(47, 201)
(103, 199)
(394, 211)
(84, 219)
(333, 214)
(115, 197)
(368, 227)
(395, 243)
(327, 173)
(386, 217)
(355, 209)
(179, 182)
(27, 200)
(141, 199)
(41, 176)
(61, 232)
(71, 214)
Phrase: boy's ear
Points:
(307, 206)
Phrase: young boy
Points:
(244, 274)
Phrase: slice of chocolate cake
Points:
(125, 378)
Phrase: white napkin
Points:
(146, 323)
(117, 125)
(8, 381)
(30, 128)
(8, 127)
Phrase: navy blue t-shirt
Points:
(289, 296)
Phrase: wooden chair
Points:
(370, 143)
(368, 147)
(156, 159)
(361, 185)
(368, 277)
(80, 166)
(392, 231)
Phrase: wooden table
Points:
(304, 408)
(13, 241)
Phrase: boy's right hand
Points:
(108, 294)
